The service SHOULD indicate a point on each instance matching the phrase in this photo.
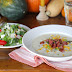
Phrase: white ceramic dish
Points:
(38, 31)
(27, 28)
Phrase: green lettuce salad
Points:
(11, 35)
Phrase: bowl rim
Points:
(44, 55)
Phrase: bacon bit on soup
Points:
(65, 43)
(56, 44)
(61, 50)
(42, 42)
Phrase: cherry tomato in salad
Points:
(0, 30)
(2, 42)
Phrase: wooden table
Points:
(9, 65)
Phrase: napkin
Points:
(24, 56)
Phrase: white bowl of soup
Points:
(52, 42)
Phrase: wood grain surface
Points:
(9, 65)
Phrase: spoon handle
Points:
(69, 41)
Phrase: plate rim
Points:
(14, 45)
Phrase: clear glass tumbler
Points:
(68, 12)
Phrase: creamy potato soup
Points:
(54, 45)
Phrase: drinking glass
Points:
(68, 12)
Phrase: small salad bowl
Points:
(20, 25)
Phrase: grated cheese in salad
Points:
(12, 34)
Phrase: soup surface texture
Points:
(48, 45)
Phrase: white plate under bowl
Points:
(27, 28)
(38, 31)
